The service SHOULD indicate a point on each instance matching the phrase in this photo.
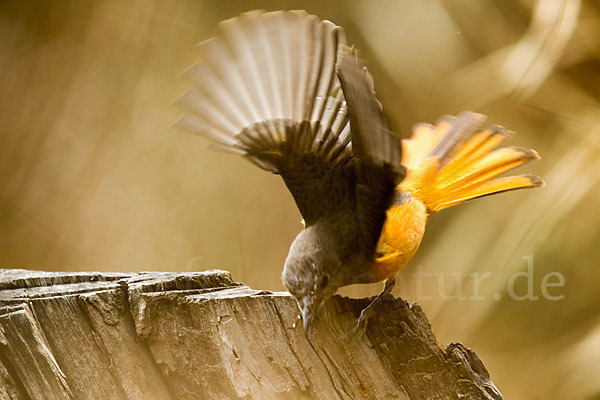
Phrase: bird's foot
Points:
(361, 323)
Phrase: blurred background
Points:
(93, 177)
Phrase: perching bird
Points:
(283, 90)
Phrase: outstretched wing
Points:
(377, 152)
(267, 89)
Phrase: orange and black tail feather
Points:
(453, 162)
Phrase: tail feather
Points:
(499, 185)
(486, 168)
(416, 148)
(454, 162)
(452, 132)
(476, 147)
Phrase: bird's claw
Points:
(296, 320)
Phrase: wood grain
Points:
(201, 335)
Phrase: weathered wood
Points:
(203, 336)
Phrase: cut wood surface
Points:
(159, 335)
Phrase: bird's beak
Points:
(308, 316)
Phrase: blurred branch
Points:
(517, 70)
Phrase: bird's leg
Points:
(361, 324)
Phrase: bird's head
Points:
(312, 273)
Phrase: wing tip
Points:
(242, 17)
(183, 124)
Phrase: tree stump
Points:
(159, 335)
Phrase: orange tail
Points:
(453, 162)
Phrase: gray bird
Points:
(283, 90)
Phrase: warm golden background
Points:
(92, 177)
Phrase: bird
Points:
(284, 90)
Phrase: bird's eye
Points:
(325, 282)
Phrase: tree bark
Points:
(159, 335)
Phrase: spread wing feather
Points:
(267, 89)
